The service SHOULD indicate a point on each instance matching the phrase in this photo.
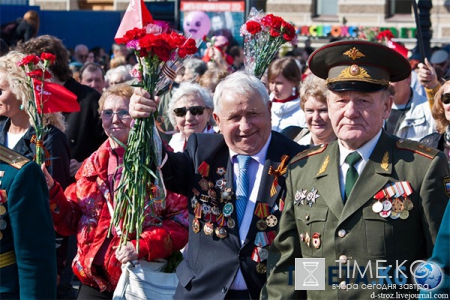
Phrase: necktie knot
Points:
(243, 161)
(353, 158)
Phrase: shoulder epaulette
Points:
(417, 147)
(308, 152)
(12, 158)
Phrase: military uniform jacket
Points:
(212, 261)
(27, 246)
(326, 228)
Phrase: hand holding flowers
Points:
(159, 51)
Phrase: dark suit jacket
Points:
(212, 262)
(354, 230)
(84, 128)
(29, 230)
(55, 141)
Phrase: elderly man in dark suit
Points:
(235, 206)
(369, 204)
(27, 237)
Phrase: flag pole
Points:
(418, 31)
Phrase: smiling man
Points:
(370, 204)
(234, 211)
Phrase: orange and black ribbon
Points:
(40, 144)
(281, 170)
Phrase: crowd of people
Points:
(339, 153)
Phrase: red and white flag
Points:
(56, 98)
(136, 15)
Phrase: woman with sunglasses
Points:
(190, 110)
(441, 114)
(83, 208)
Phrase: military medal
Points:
(3, 224)
(208, 228)
(394, 215)
(212, 193)
(311, 197)
(300, 197)
(225, 195)
(397, 205)
(221, 171)
(316, 240)
(302, 237)
(404, 214)
(307, 238)
(215, 210)
(195, 192)
(261, 224)
(262, 211)
(221, 232)
(377, 207)
(220, 184)
(206, 208)
(228, 209)
(196, 226)
(261, 268)
(231, 223)
(2, 210)
(407, 204)
(203, 184)
(387, 205)
(193, 201)
(271, 221)
(263, 253)
(385, 213)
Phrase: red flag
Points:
(398, 47)
(136, 15)
(56, 98)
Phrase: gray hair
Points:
(239, 84)
(196, 65)
(187, 89)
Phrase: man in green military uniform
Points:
(372, 214)
(27, 237)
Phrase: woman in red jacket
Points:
(83, 208)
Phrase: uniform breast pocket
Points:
(311, 223)
(378, 233)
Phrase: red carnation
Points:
(253, 27)
(48, 57)
(29, 59)
(288, 31)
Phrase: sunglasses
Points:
(194, 110)
(445, 98)
(122, 114)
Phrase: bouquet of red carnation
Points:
(44, 97)
(159, 51)
(263, 36)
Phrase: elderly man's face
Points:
(244, 121)
(357, 117)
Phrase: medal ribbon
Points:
(261, 239)
(221, 220)
(203, 169)
(406, 187)
(255, 255)
(198, 210)
(271, 236)
(281, 170)
(262, 210)
(281, 205)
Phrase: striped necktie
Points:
(242, 186)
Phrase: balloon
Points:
(196, 24)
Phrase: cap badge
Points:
(354, 71)
(354, 53)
